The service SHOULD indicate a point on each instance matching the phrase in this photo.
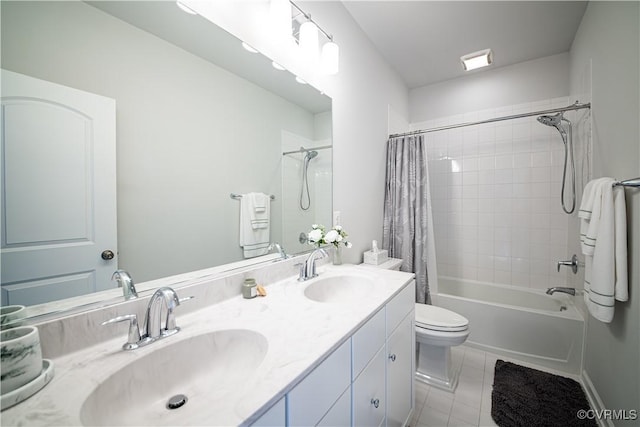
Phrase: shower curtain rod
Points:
(576, 106)
(304, 150)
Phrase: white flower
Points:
(314, 226)
(315, 235)
(332, 236)
(349, 244)
(338, 227)
(339, 238)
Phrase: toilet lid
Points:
(439, 319)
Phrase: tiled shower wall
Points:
(495, 192)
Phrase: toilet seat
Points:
(439, 319)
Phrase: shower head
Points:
(311, 154)
(556, 122)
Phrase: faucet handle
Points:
(170, 327)
(573, 263)
(134, 332)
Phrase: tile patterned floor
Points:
(470, 405)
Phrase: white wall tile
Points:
(497, 209)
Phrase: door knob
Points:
(107, 255)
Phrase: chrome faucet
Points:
(164, 297)
(283, 254)
(308, 268)
(570, 291)
(124, 281)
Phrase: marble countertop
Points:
(300, 333)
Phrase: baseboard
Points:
(594, 399)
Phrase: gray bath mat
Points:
(524, 397)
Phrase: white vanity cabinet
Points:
(275, 416)
(315, 395)
(400, 360)
(368, 380)
(400, 370)
(368, 348)
(369, 401)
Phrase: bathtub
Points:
(518, 323)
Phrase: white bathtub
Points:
(520, 323)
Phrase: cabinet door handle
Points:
(375, 403)
(392, 357)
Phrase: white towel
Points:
(260, 210)
(260, 202)
(603, 242)
(253, 240)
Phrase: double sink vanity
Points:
(337, 349)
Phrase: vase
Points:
(337, 255)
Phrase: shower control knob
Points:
(573, 263)
(392, 357)
(375, 403)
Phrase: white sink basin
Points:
(339, 289)
(210, 370)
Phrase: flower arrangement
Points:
(336, 236)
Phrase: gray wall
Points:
(535, 80)
(604, 60)
(188, 132)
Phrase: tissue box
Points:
(375, 258)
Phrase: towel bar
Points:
(239, 196)
(634, 182)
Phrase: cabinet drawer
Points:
(370, 388)
(340, 413)
(313, 397)
(400, 305)
(275, 416)
(367, 340)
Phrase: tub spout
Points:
(570, 291)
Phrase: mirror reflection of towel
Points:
(254, 226)
(259, 210)
(260, 202)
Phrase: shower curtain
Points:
(407, 225)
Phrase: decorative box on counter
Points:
(375, 256)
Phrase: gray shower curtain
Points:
(406, 215)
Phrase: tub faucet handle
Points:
(573, 263)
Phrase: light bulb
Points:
(330, 58)
(309, 41)
(249, 48)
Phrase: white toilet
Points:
(437, 329)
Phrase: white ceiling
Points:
(423, 40)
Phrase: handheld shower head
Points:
(311, 154)
(556, 122)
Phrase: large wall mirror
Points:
(197, 118)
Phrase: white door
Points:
(58, 191)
